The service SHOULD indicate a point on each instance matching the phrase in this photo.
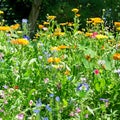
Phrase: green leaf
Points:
(90, 110)
(97, 87)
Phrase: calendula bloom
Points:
(58, 33)
(57, 60)
(46, 23)
(75, 10)
(67, 72)
(51, 17)
(88, 34)
(117, 24)
(41, 26)
(78, 15)
(1, 12)
(4, 28)
(50, 60)
(100, 36)
(63, 47)
(118, 28)
(70, 24)
(96, 20)
(116, 56)
(20, 41)
(16, 26)
(55, 48)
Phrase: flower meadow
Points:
(62, 73)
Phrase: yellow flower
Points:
(88, 34)
(96, 20)
(46, 23)
(58, 33)
(70, 24)
(63, 47)
(116, 56)
(101, 36)
(1, 12)
(117, 24)
(63, 24)
(20, 41)
(55, 48)
(75, 10)
(78, 15)
(4, 28)
(67, 72)
(118, 28)
(41, 26)
(50, 60)
(16, 26)
(57, 60)
(51, 17)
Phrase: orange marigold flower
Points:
(41, 26)
(46, 23)
(57, 60)
(117, 24)
(16, 26)
(50, 60)
(55, 48)
(4, 28)
(116, 56)
(20, 41)
(78, 15)
(88, 34)
(67, 72)
(75, 10)
(63, 47)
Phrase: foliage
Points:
(62, 73)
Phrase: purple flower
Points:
(57, 98)
(104, 100)
(5, 86)
(83, 86)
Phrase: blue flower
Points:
(48, 108)
(45, 118)
(26, 37)
(83, 86)
(36, 111)
(51, 95)
(24, 20)
(57, 98)
(39, 103)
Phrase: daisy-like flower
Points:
(75, 10)
(51, 17)
(20, 41)
(100, 36)
(4, 28)
(116, 56)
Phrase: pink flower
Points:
(94, 34)
(20, 116)
(78, 110)
(96, 72)
(46, 80)
(72, 114)
(31, 103)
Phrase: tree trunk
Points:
(34, 13)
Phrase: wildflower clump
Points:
(20, 41)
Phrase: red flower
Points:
(94, 34)
(16, 87)
(96, 71)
